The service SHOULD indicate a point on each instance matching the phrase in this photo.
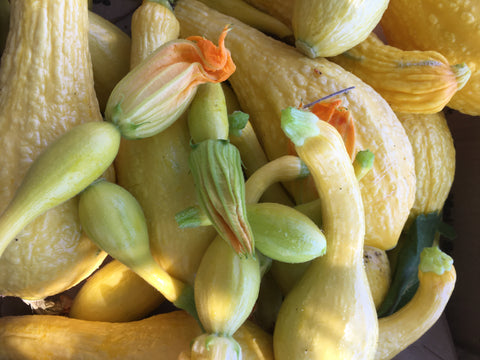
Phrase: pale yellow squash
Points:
(115, 294)
(152, 24)
(165, 336)
(155, 170)
(435, 161)
(47, 88)
(437, 277)
(330, 313)
(271, 75)
(330, 27)
(281, 9)
(377, 267)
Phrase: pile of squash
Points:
(124, 222)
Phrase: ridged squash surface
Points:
(434, 152)
(450, 27)
(47, 88)
(271, 75)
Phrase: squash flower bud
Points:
(220, 186)
(158, 90)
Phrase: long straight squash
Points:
(165, 336)
(47, 89)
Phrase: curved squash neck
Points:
(342, 207)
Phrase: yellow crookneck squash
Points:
(47, 88)
(437, 277)
(165, 336)
(330, 313)
(410, 81)
(435, 162)
(155, 170)
(271, 75)
(449, 27)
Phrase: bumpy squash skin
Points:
(449, 27)
(150, 15)
(271, 76)
(159, 165)
(47, 88)
(165, 336)
(434, 151)
(410, 81)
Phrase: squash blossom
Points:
(158, 90)
(220, 186)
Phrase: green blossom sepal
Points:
(220, 186)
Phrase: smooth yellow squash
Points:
(329, 27)
(250, 15)
(109, 48)
(153, 23)
(46, 337)
(329, 313)
(437, 277)
(115, 293)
